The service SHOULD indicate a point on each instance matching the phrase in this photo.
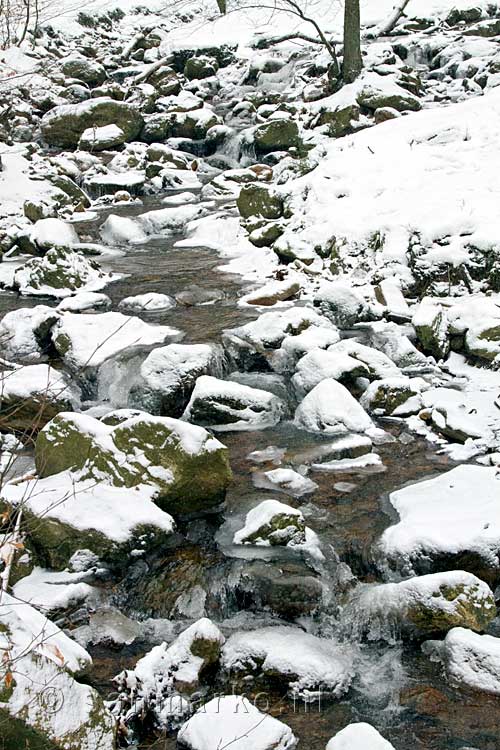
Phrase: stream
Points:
(397, 687)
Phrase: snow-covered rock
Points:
(272, 523)
(32, 395)
(86, 342)
(232, 719)
(60, 273)
(451, 520)
(285, 480)
(469, 660)
(344, 305)
(399, 396)
(186, 467)
(52, 591)
(330, 409)
(83, 301)
(168, 376)
(65, 513)
(258, 344)
(25, 334)
(305, 663)
(359, 736)
(432, 326)
(99, 139)
(226, 406)
(37, 671)
(120, 230)
(48, 233)
(379, 364)
(320, 364)
(421, 606)
(151, 690)
(151, 301)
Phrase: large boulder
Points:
(224, 405)
(422, 606)
(64, 125)
(320, 364)
(31, 396)
(379, 92)
(398, 396)
(187, 467)
(344, 305)
(65, 513)
(330, 409)
(259, 201)
(469, 660)
(276, 135)
(431, 325)
(301, 662)
(42, 704)
(449, 522)
(168, 377)
(86, 70)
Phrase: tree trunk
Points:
(222, 7)
(353, 63)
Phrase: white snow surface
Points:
(39, 382)
(359, 736)
(95, 338)
(330, 409)
(469, 659)
(454, 512)
(88, 504)
(148, 301)
(233, 720)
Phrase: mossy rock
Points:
(88, 71)
(64, 125)
(433, 334)
(200, 67)
(339, 121)
(148, 450)
(468, 609)
(258, 200)
(276, 135)
(373, 99)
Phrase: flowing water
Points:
(397, 688)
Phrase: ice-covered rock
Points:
(469, 660)
(359, 736)
(330, 409)
(225, 406)
(60, 273)
(448, 522)
(421, 606)
(86, 342)
(83, 301)
(152, 689)
(392, 340)
(285, 480)
(121, 230)
(319, 364)
(307, 664)
(32, 395)
(272, 293)
(52, 591)
(272, 523)
(150, 301)
(186, 467)
(232, 719)
(37, 674)
(168, 377)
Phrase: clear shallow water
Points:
(397, 688)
